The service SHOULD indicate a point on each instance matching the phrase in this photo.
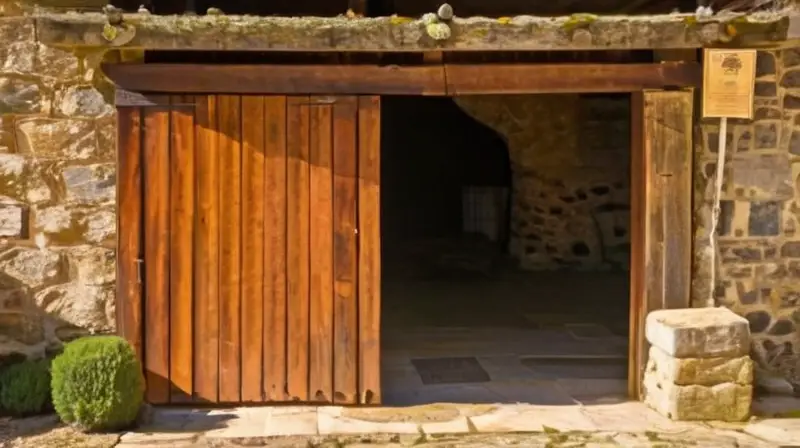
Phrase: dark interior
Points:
(427, 159)
(457, 313)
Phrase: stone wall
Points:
(570, 164)
(57, 194)
(758, 250)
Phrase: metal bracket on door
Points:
(319, 101)
(139, 270)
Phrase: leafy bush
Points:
(97, 383)
(25, 388)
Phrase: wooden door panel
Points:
(252, 248)
(260, 247)
(206, 255)
(345, 255)
(369, 261)
(181, 247)
(661, 213)
(230, 203)
(156, 251)
(297, 249)
(275, 249)
(129, 227)
(320, 254)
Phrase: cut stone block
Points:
(699, 371)
(729, 402)
(699, 333)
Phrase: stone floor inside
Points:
(501, 335)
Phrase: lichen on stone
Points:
(399, 20)
(438, 31)
(578, 21)
(430, 18)
(109, 32)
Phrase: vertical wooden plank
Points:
(252, 248)
(638, 187)
(156, 252)
(672, 138)
(660, 210)
(129, 226)
(206, 256)
(369, 254)
(181, 245)
(345, 273)
(653, 219)
(275, 248)
(298, 247)
(321, 246)
(230, 164)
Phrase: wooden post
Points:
(661, 230)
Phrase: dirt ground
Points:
(47, 431)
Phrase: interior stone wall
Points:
(758, 248)
(57, 193)
(570, 162)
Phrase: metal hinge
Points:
(139, 270)
(319, 101)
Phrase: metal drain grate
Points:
(450, 370)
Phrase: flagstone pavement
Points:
(627, 424)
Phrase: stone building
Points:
(58, 195)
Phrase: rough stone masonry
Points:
(699, 368)
(570, 162)
(758, 260)
(57, 193)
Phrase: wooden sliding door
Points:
(249, 246)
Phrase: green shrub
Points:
(25, 388)
(97, 383)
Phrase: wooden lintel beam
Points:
(278, 79)
(568, 78)
(435, 80)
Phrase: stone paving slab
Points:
(629, 424)
(633, 417)
(458, 426)
(527, 418)
(330, 420)
(782, 432)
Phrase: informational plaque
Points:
(728, 83)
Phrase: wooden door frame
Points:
(662, 124)
(670, 290)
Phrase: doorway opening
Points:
(505, 248)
